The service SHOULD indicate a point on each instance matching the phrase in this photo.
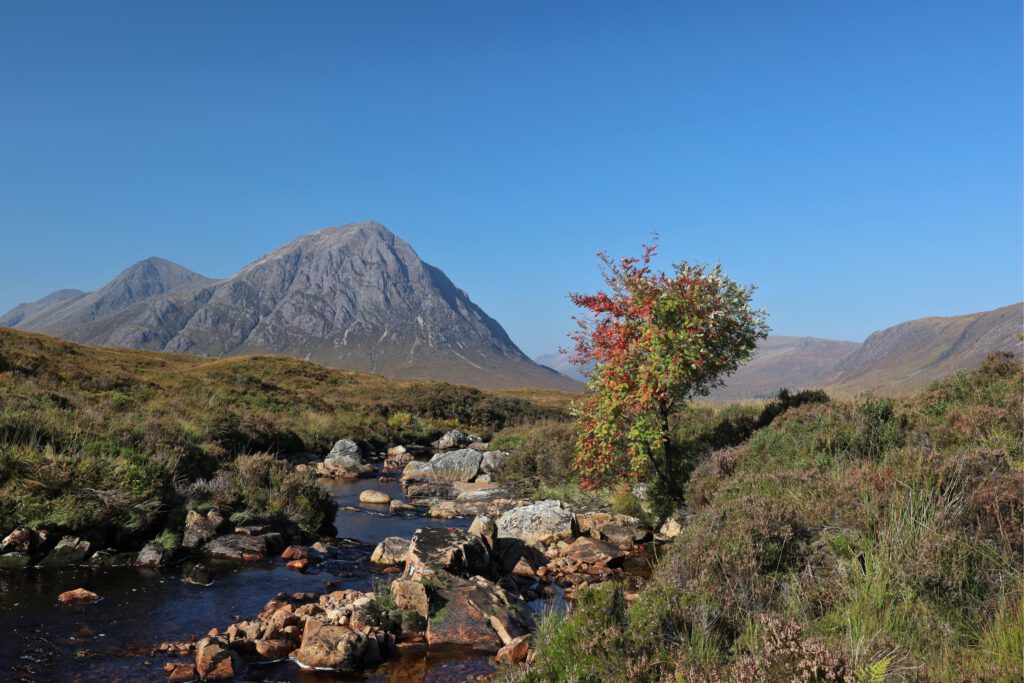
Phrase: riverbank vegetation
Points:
(121, 443)
(865, 540)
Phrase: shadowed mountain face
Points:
(354, 297)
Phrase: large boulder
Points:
(152, 555)
(460, 465)
(474, 614)
(392, 550)
(68, 551)
(542, 522)
(440, 549)
(345, 459)
(330, 646)
(461, 625)
(237, 547)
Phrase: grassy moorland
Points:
(121, 443)
(876, 539)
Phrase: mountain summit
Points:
(355, 297)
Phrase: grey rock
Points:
(392, 550)
(237, 547)
(461, 465)
(346, 458)
(452, 439)
(68, 551)
(151, 555)
(439, 549)
(199, 575)
(543, 522)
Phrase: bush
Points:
(542, 457)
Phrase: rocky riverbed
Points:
(434, 573)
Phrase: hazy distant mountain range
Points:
(896, 360)
(355, 297)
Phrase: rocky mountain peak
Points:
(354, 296)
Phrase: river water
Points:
(111, 640)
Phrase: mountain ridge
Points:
(896, 360)
(354, 296)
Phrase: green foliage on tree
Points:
(653, 341)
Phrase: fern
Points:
(874, 673)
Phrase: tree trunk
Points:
(668, 466)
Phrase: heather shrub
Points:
(876, 539)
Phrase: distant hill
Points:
(559, 362)
(355, 297)
(69, 312)
(907, 357)
(785, 362)
(27, 310)
(897, 360)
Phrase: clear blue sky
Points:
(859, 161)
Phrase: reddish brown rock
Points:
(215, 661)
(180, 673)
(410, 596)
(77, 596)
(515, 652)
(459, 626)
(295, 552)
(299, 565)
(587, 550)
(273, 650)
(328, 646)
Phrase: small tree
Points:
(652, 342)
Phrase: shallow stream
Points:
(111, 640)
